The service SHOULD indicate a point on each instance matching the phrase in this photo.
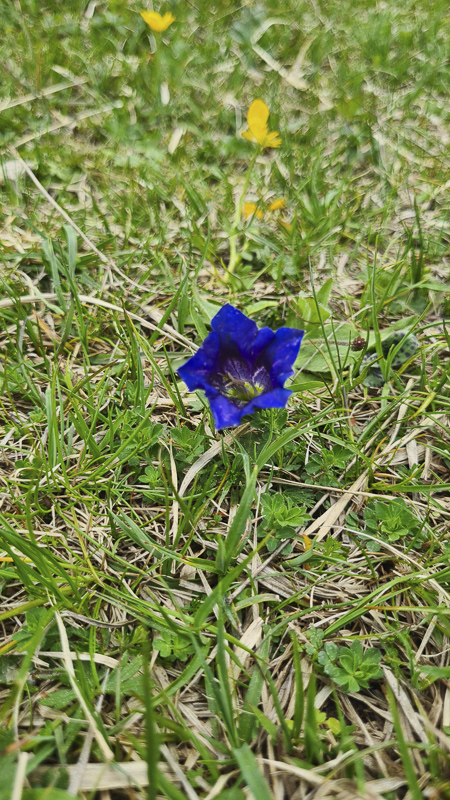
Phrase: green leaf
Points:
(304, 384)
(332, 650)
(248, 719)
(316, 358)
(46, 793)
(8, 769)
(71, 238)
(372, 656)
(59, 699)
(237, 527)
(299, 706)
(231, 794)
(323, 294)
(352, 684)
(408, 765)
(313, 747)
(334, 725)
(163, 648)
(347, 662)
(356, 649)
(266, 723)
(254, 308)
(251, 773)
(308, 312)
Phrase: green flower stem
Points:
(156, 76)
(240, 205)
(234, 257)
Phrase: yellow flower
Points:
(251, 209)
(277, 204)
(157, 22)
(257, 116)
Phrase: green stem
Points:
(234, 257)
(240, 205)
(156, 75)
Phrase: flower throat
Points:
(241, 389)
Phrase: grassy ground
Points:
(264, 612)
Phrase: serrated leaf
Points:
(357, 648)
(127, 671)
(59, 699)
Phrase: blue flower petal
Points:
(279, 357)
(234, 330)
(225, 412)
(196, 370)
(264, 337)
(277, 398)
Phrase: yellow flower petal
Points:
(157, 22)
(249, 136)
(277, 204)
(251, 209)
(257, 116)
(271, 139)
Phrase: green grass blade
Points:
(251, 773)
(408, 766)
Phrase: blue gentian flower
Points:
(240, 367)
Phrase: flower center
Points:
(241, 389)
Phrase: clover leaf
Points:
(173, 646)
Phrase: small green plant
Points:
(281, 518)
(392, 521)
(324, 724)
(353, 526)
(325, 462)
(189, 444)
(315, 639)
(350, 667)
(332, 549)
(171, 646)
(152, 477)
(31, 469)
(148, 437)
